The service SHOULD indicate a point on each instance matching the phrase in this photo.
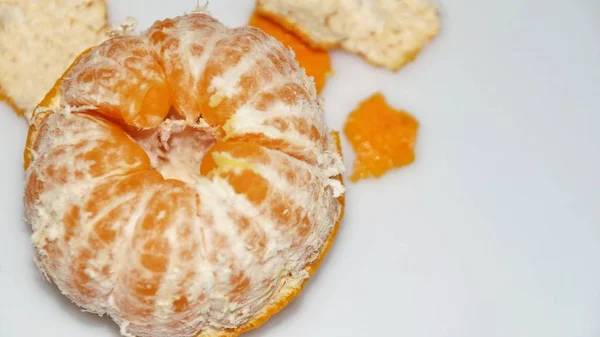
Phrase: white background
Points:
(493, 231)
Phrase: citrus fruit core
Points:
(175, 147)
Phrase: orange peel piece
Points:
(39, 42)
(316, 62)
(383, 138)
(385, 33)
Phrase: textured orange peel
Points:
(383, 138)
(315, 61)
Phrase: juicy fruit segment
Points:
(265, 178)
(383, 138)
(98, 148)
(316, 62)
(123, 80)
(286, 297)
(95, 230)
(151, 251)
(185, 45)
(241, 69)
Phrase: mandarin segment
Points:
(244, 263)
(286, 297)
(241, 68)
(170, 208)
(185, 45)
(98, 148)
(263, 176)
(122, 79)
(285, 123)
(316, 62)
(93, 228)
(383, 138)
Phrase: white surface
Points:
(494, 231)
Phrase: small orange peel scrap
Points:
(383, 138)
(316, 62)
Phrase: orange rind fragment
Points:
(316, 62)
(383, 138)
(38, 42)
(386, 33)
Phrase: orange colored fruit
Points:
(184, 183)
(316, 62)
(122, 80)
(383, 138)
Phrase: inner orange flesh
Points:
(316, 62)
(125, 154)
(383, 138)
(283, 301)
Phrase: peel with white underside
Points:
(387, 33)
(39, 39)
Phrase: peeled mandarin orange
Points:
(383, 138)
(316, 62)
(183, 182)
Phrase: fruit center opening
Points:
(176, 147)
